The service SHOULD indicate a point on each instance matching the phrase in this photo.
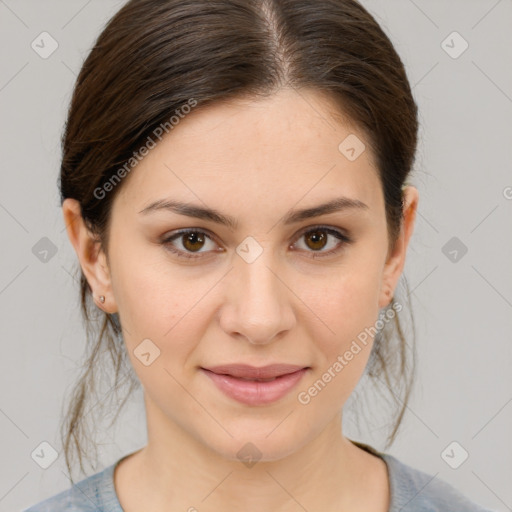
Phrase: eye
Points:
(191, 239)
(317, 239)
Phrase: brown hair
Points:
(153, 56)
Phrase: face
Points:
(268, 288)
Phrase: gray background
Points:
(463, 308)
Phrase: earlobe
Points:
(90, 255)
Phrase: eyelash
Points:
(344, 240)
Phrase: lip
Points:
(245, 371)
(232, 381)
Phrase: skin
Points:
(254, 160)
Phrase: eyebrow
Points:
(292, 217)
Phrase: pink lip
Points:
(253, 392)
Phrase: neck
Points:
(179, 472)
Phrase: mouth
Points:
(255, 386)
(262, 373)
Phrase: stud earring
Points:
(102, 299)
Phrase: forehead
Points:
(258, 154)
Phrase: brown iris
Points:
(318, 238)
(190, 241)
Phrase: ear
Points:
(396, 260)
(92, 258)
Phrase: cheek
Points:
(150, 292)
(161, 328)
(155, 306)
(346, 304)
(159, 301)
(347, 309)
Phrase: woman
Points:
(234, 184)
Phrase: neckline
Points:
(109, 496)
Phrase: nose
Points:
(257, 303)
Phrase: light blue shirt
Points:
(411, 490)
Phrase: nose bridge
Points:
(260, 307)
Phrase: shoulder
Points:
(92, 494)
(415, 490)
